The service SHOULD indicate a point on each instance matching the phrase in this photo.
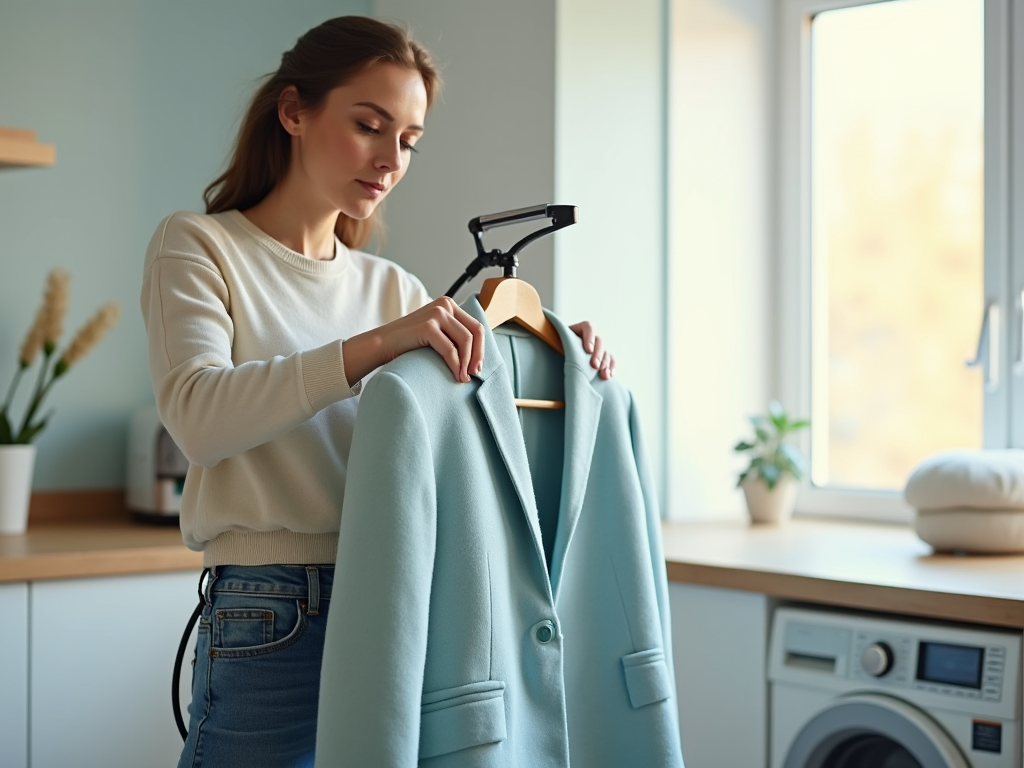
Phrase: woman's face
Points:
(357, 147)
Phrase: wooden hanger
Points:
(509, 298)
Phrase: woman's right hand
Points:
(442, 324)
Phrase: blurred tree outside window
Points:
(897, 237)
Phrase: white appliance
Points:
(156, 470)
(857, 691)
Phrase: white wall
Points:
(721, 124)
(610, 158)
(489, 143)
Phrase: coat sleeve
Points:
(375, 648)
(653, 533)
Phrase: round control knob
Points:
(877, 659)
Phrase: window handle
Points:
(988, 345)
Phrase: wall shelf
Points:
(19, 149)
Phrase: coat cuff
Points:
(323, 376)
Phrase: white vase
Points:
(773, 506)
(16, 465)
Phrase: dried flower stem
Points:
(10, 390)
(40, 391)
(88, 336)
(44, 335)
(45, 330)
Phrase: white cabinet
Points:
(720, 649)
(14, 675)
(101, 653)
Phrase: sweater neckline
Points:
(292, 258)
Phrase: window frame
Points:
(793, 310)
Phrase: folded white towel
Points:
(964, 480)
(970, 501)
(982, 531)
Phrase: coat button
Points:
(545, 631)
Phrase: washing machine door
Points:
(873, 731)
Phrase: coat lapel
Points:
(582, 415)
(497, 401)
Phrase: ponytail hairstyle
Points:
(324, 58)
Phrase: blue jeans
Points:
(256, 679)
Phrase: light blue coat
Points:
(448, 643)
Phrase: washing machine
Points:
(863, 691)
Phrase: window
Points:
(893, 238)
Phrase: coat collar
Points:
(575, 355)
(582, 412)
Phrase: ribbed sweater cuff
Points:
(323, 376)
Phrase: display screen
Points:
(950, 664)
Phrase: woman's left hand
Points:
(600, 358)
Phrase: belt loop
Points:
(313, 577)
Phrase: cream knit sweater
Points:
(246, 360)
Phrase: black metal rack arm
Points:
(561, 216)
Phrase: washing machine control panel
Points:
(961, 670)
(870, 648)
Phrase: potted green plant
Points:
(17, 453)
(772, 476)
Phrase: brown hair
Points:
(324, 58)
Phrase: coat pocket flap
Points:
(647, 677)
(462, 717)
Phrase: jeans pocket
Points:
(242, 627)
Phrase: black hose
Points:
(458, 284)
(180, 657)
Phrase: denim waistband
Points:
(313, 582)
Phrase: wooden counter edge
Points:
(102, 562)
(873, 597)
(57, 507)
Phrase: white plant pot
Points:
(770, 506)
(16, 465)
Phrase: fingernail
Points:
(479, 367)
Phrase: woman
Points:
(263, 318)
